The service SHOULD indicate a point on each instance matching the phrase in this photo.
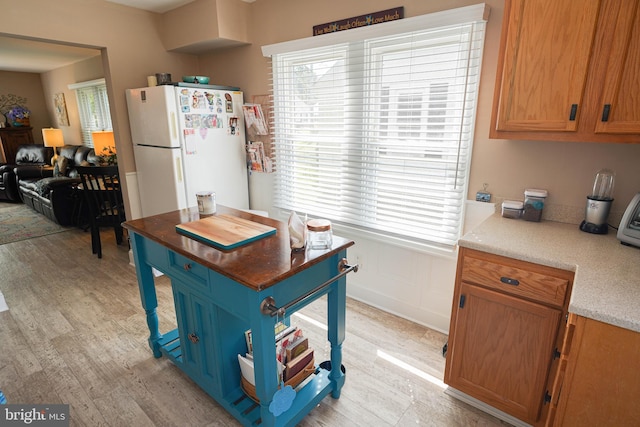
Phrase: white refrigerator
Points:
(187, 139)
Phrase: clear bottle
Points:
(319, 234)
(603, 185)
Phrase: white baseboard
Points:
(485, 408)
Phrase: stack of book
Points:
(295, 358)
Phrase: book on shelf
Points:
(292, 352)
(295, 366)
(296, 348)
(280, 330)
(284, 342)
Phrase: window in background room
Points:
(93, 108)
(373, 129)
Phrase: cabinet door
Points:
(195, 326)
(602, 383)
(546, 51)
(12, 139)
(619, 105)
(501, 350)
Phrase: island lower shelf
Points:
(237, 402)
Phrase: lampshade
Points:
(52, 137)
(103, 143)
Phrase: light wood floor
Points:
(75, 333)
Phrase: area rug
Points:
(20, 222)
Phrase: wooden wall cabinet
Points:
(11, 139)
(506, 325)
(601, 385)
(568, 72)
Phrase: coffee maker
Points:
(599, 203)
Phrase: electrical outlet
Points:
(359, 262)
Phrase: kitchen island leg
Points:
(336, 314)
(147, 294)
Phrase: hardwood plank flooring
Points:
(75, 333)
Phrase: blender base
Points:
(594, 228)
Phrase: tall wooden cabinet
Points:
(506, 325)
(568, 71)
(11, 139)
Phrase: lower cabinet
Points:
(196, 318)
(506, 325)
(601, 385)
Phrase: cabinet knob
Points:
(193, 338)
(187, 266)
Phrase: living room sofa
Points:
(52, 190)
(33, 155)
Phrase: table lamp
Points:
(104, 146)
(53, 138)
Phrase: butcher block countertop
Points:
(607, 274)
(259, 264)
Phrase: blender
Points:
(599, 203)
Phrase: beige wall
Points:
(133, 50)
(129, 38)
(58, 81)
(566, 170)
(27, 85)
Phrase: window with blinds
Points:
(93, 108)
(375, 131)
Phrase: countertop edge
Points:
(606, 283)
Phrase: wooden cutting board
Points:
(225, 231)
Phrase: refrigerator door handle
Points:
(174, 133)
(178, 161)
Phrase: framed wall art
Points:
(61, 109)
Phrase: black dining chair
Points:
(103, 197)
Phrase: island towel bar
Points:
(268, 305)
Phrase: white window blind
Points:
(93, 108)
(375, 131)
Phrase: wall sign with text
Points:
(360, 21)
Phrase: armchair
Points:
(30, 156)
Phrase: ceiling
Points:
(159, 6)
(29, 56)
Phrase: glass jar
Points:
(319, 234)
(533, 204)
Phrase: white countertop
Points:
(607, 274)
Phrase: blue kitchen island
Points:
(219, 294)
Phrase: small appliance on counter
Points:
(629, 230)
(599, 203)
